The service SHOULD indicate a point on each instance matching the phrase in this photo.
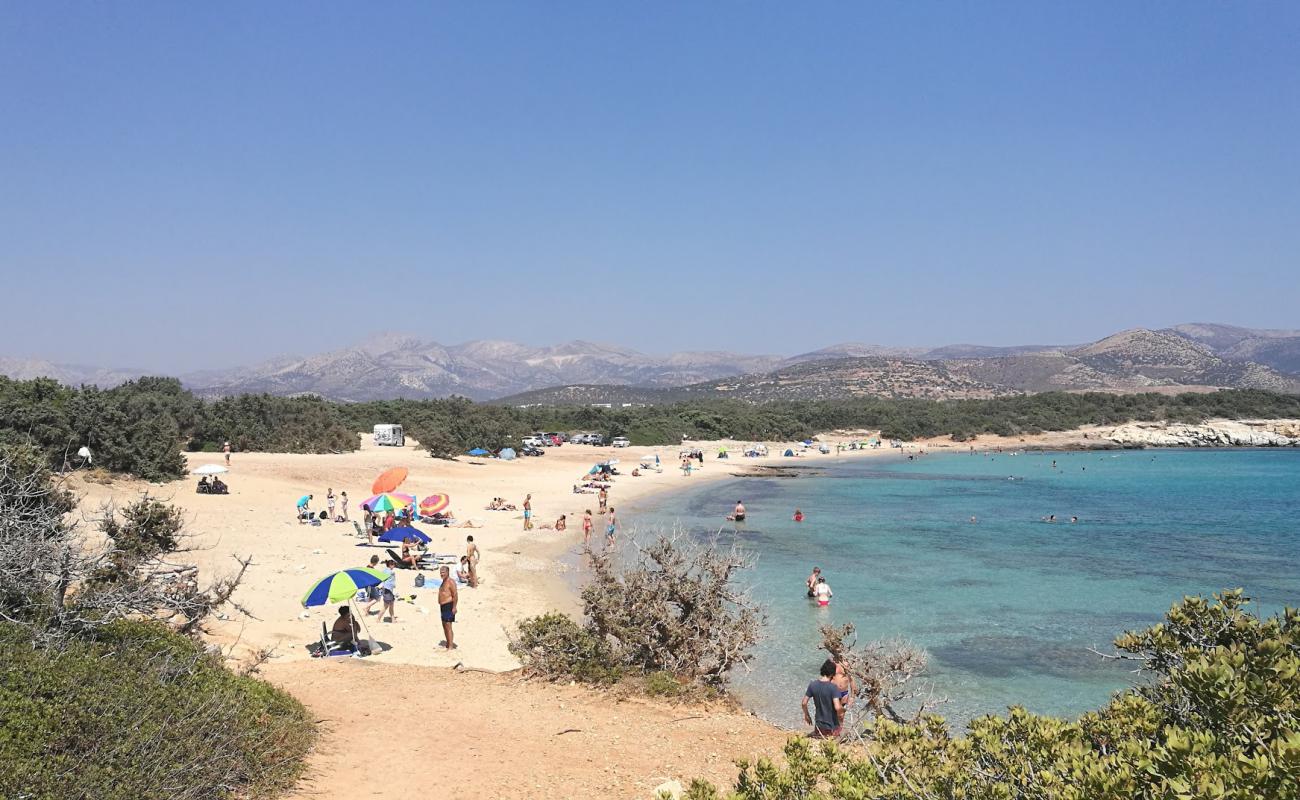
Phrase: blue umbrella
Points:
(478, 451)
(398, 534)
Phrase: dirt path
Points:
(425, 731)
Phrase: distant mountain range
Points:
(395, 365)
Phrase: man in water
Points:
(447, 600)
(739, 514)
(826, 702)
(812, 580)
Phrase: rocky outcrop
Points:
(1214, 433)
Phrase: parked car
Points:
(389, 435)
(555, 439)
(580, 438)
(532, 441)
(533, 451)
(621, 441)
(597, 439)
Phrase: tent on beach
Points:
(478, 451)
(508, 454)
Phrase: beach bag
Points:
(419, 579)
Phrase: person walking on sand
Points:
(528, 513)
(225, 448)
(826, 704)
(611, 526)
(447, 601)
(388, 591)
(471, 551)
(586, 529)
(372, 592)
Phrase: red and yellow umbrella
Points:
(432, 504)
(389, 480)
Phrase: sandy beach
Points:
(462, 715)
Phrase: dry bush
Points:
(884, 674)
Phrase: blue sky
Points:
(198, 185)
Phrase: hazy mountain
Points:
(1132, 360)
(392, 365)
(399, 365)
(1279, 349)
(70, 374)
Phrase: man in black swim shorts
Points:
(447, 600)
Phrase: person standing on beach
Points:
(471, 551)
(225, 448)
(603, 497)
(586, 529)
(826, 704)
(528, 513)
(329, 502)
(611, 525)
(448, 598)
(372, 592)
(388, 591)
(343, 502)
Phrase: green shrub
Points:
(140, 712)
(555, 647)
(1219, 720)
(663, 684)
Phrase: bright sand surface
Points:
(405, 722)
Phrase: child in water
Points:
(798, 515)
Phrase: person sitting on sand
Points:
(562, 523)
(812, 581)
(409, 556)
(462, 572)
(346, 630)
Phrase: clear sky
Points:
(188, 185)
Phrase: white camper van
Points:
(390, 435)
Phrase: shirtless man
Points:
(845, 683)
(812, 580)
(739, 514)
(471, 550)
(611, 527)
(528, 513)
(447, 600)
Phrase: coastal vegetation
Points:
(141, 427)
(105, 689)
(1218, 716)
(672, 614)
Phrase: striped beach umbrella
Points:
(389, 501)
(342, 585)
(433, 503)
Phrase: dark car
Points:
(532, 451)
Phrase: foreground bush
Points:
(1220, 719)
(140, 712)
(672, 611)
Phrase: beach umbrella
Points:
(389, 501)
(342, 585)
(398, 534)
(389, 480)
(434, 503)
(209, 469)
(478, 451)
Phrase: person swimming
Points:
(798, 515)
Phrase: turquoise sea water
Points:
(1007, 606)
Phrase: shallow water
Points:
(1008, 606)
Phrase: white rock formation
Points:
(1212, 433)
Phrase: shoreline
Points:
(407, 687)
